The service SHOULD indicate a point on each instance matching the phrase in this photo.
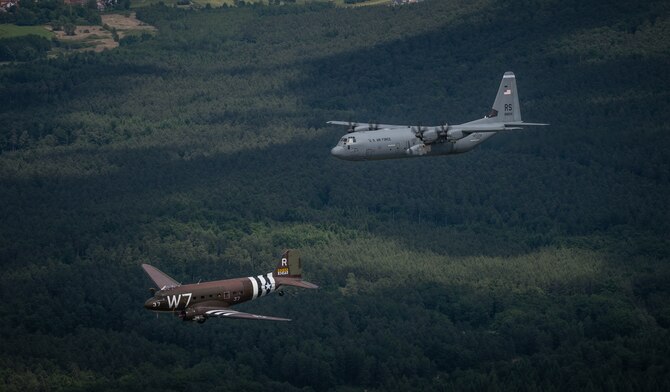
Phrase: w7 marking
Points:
(174, 300)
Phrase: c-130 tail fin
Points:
(506, 105)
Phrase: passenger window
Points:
(226, 295)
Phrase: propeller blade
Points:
(352, 126)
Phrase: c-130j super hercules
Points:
(384, 141)
(200, 301)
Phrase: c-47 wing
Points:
(365, 125)
(227, 313)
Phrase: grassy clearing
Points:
(379, 263)
(145, 3)
(10, 30)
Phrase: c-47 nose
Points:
(337, 151)
(151, 303)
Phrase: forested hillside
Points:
(538, 261)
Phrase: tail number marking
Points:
(508, 107)
(282, 271)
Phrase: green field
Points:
(10, 30)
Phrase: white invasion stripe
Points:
(219, 312)
(254, 286)
(271, 279)
(508, 76)
(262, 279)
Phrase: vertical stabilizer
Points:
(506, 106)
(289, 271)
(289, 265)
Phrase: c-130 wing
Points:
(371, 126)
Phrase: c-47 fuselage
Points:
(200, 301)
(225, 293)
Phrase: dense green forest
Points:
(538, 261)
(54, 12)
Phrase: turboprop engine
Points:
(430, 135)
(418, 149)
(455, 134)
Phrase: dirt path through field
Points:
(97, 38)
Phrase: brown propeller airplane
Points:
(200, 301)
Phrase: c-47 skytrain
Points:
(368, 141)
(200, 301)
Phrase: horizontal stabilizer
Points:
(160, 278)
(479, 127)
(296, 282)
(521, 123)
(289, 271)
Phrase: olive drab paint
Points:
(200, 301)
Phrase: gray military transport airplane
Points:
(369, 141)
(200, 301)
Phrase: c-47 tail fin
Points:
(289, 271)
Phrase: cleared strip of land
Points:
(10, 30)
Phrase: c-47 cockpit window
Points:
(344, 140)
(351, 139)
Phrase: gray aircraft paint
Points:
(405, 141)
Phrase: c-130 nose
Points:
(337, 151)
